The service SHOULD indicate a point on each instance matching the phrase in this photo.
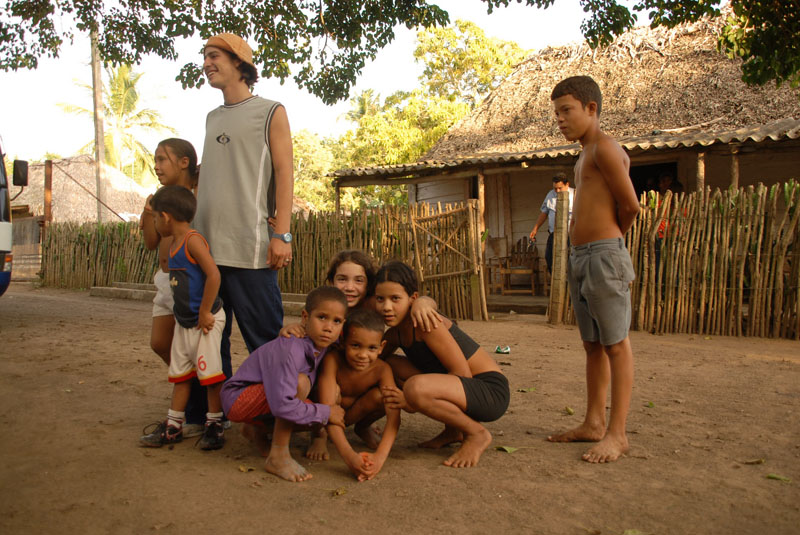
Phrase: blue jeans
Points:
(253, 296)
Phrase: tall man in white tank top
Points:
(246, 177)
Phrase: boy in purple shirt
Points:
(277, 377)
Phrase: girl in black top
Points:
(444, 375)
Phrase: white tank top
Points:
(236, 192)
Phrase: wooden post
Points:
(48, 191)
(99, 136)
(338, 191)
(701, 172)
(734, 166)
(507, 229)
(558, 287)
(481, 204)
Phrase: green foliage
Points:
(765, 34)
(324, 45)
(402, 130)
(461, 63)
(313, 160)
(124, 122)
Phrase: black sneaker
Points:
(213, 437)
(161, 434)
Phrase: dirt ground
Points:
(711, 420)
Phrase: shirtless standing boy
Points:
(599, 270)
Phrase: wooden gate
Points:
(447, 257)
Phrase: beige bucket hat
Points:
(233, 44)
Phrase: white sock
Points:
(175, 418)
(213, 417)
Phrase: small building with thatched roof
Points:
(74, 188)
(673, 101)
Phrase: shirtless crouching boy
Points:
(354, 378)
(599, 269)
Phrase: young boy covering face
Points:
(277, 377)
(354, 378)
(599, 269)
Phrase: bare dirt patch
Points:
(711, 418)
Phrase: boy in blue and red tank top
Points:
(199, 317)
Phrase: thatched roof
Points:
(652, 80)
(71, 201)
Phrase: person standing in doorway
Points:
(249, 180)
(560, 183)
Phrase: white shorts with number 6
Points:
(197, 354)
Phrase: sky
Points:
(32, 123)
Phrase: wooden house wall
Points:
(442, 191)
(771, 165)
(513, 199)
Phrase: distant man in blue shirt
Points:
(560, 183)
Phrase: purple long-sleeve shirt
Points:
(276, 365)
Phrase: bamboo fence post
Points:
(787, 233)
(558, 286)
(705, 264)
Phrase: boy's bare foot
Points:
(318, 449)
(470, 451)
(583, 433)
(259, 436)
(281, 464)
(370, 434)
(445, 438)
(607, 450)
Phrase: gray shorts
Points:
(599, 275)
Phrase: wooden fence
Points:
(717, 263)
(90, 254)
(449, 266)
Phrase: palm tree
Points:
(124, 122)
(366, 102)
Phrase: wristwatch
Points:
(286, 238)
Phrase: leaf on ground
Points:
(529, 389)
(341, 491)
(569, 410)
(779, 478)
(754, 461)
(243, 468)
(504, 363)
(507, 449)
(633, 532)
(650, 404)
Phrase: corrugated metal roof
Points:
(788, 128)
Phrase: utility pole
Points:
(99, 119)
